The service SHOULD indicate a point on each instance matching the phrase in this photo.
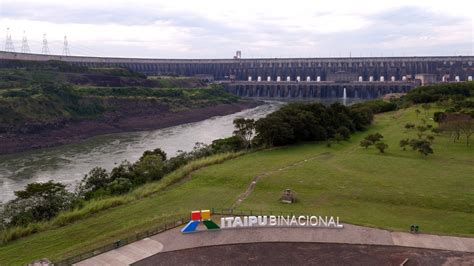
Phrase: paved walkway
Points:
(350, 234)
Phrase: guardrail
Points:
(122, 242)
(156, 230)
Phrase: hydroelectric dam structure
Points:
(359, 77)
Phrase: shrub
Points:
(119, 186)
(374, 137)
(381, 147)
(366, 143)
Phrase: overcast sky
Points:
(216, 29)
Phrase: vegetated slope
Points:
(391, 190)
(51, 103)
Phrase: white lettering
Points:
(323, 221)
(300, 221)
(273, 220)
(229, 221)
(331, 222)
(337, 223)
(238, 222)
(252, 220)
(222, 222)
(293, 221)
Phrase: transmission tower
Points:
(25, 48)
(45, 49)
(66, 47)
(9, 43)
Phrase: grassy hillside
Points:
(391, 190)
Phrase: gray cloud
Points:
(210, 37)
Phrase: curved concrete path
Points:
(127, 254)
(173, 240)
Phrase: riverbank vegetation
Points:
(36, 97)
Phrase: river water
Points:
(69, 163)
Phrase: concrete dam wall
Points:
(280, 77)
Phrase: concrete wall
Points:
(365, 90)
(366, 67)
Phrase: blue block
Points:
(190, 227)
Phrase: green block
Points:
(210, 224)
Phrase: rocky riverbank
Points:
(128, 116)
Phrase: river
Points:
(69, 163)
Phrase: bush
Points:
(376, 106)
(433, 93)
(119, 186)
(366, 143)
(344, 132)
(374, 137)
(381, 147)
(233, 143)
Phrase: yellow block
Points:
(206, 214)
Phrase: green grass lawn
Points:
(391, 190)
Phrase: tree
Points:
(374, 137)
(233, 143)
(338, 137)
(467, 128)
(344, 132)
(421, 145)
(430, 138)
(37, 202)
(409, 126)
(366, 143)
(150, 167)
(156, 151)
(245, 129)
(421, 130)
(274, 131)
(404, 143)
(381, 146)
(425, 148)
(119, 186)
(458, 124)
(96, 179)
(438, 117)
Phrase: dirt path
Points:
(255, 179)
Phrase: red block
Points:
(196, 215)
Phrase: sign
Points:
(204, 216)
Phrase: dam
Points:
(364, 77)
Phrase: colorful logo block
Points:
(197, 217)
